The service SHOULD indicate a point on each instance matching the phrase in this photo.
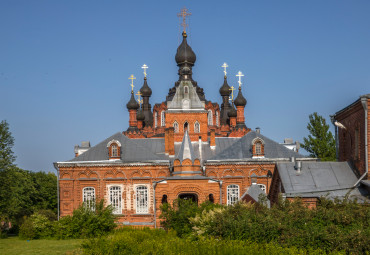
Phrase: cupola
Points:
(225, 88)
(132, 104)
(240, 99)
(145, 90)
(232, 112)
(140, 115)
(184, 54)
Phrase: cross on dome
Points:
(145, 67)
(184, 13)
(132, 78)
(232, 93)
(139, 100)
(240, 75)
(225, 66)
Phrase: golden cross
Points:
(139, 100)
(225, 66)
(184, 14)
(132, 78)
(240, 75)
(145, 67)
(232, 93)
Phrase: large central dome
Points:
(184, 54)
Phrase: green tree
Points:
(320, 142)
(6, 143)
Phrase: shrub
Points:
(36, 226)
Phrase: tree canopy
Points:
(320, 142)
(6, 144)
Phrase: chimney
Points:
(258, 130)
(212, 141)
(292, 159)
(166, 141)
(85, 146)
(171, 141)
(298, 166)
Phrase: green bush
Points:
(146, 241)
(36, 226)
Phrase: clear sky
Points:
(64, 65)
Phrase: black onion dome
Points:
(184, 52)
(140, 115)
(132, 104)
(145, 90)
(240, 100)
(232, 112)
(225, 88)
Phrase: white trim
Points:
(114, 141)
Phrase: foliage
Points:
(177, 217)
(320, 142)
(83, 223)
(6, 143)
(332, 226)
(146, 241)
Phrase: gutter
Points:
(364, 104)
(56, 168)
(154, 201)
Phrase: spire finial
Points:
(232, 93)
(145, 67)
(240, 75)
(184, 13)
(139, 100)
(132, 78)
(225, 66)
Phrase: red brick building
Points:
(184, 147)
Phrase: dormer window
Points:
(114, 149)
(186, 89)
(258, 148)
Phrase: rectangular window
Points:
(232, 194)
(114, 151)
(89, 197)
(115, 199)
(141, 199)
(163, 121)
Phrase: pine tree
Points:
(320, 142)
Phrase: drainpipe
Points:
(364, 104)
(336, 136)
(220, 183)
(56, 168)
(155, 206)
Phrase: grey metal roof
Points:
(316, 179)
(193, 101)
(242, 149)
(186, 150)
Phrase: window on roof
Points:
(232, 194)
(186, 89)
(210, 118)
(141, 199)
(88, 194)
(115, 199)
(114, 149)
(196, 127)
(258, 148)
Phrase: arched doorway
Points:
(189, 196)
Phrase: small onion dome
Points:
(184, 52)
(140, 115)
(145, 90)
(240, 100)
(132, 104)
(232, 113)
(225, 88)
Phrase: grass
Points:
(14, 245)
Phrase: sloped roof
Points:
(192, 97)
(186, 150)
(331, 179)
(242, 149)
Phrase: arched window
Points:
(141, 199)
(163, 121)
(186, 125)
(210, 118)
(155, 119)
(232, 194)
(217, 119)
(164, 199)
(186, 89)
(258, 148)
(211, 198)
(196, 127)
(262, 187)
(114, 149)
(115, 199)
(176, 127)
(88, 194)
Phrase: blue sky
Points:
(64, 65)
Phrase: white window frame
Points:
(262, 187)
(115, 199)
(114, 150)
(210, 118)
(258, 148)
(176, 127)
(88, 195)
(196, 127)
(217, 119)
(142, 199)
(155, 119)
(232, 194)
(163, 120)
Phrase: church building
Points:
(184, 147)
